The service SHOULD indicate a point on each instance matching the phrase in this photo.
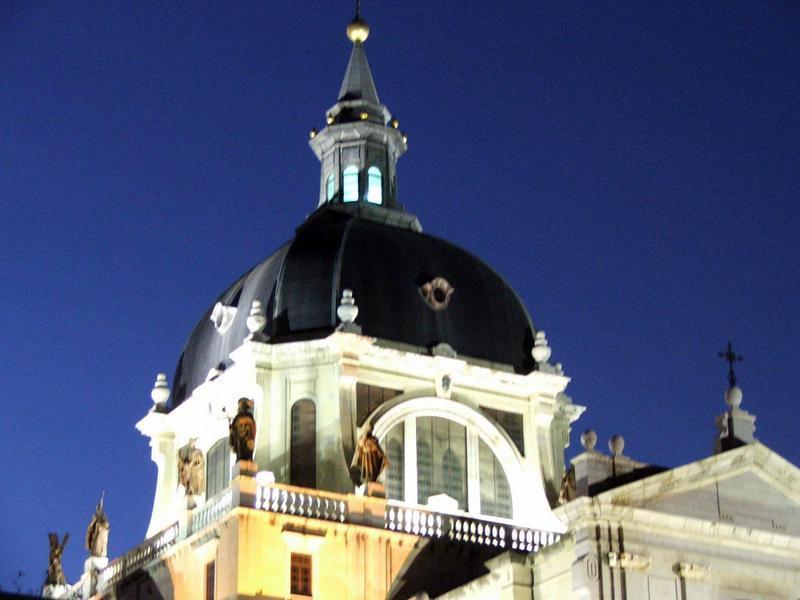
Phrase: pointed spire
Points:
(358, 83)
(359, 147)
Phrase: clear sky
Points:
(632, 168)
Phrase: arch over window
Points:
(350, 184)
(374, 186)
(303, 450)
(218, 467)
(329, 188)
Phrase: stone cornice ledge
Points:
(588, 512)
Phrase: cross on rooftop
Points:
(731, 357)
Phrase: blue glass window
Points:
(329, 188)
(350, 184)
(374, 186)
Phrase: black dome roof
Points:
(301, 285)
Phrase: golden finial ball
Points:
(358, 31)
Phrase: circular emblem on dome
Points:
(437, 293)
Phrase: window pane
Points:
(303, 452)
(350, 184)
(395, 475)
(300, 574)
(218, 467)
(329, 187)
(210, 580)
(374, 191)
(441, 459)
(495, 493)
(511, 422)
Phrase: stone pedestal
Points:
(55, 591)
(375, 489)
(245, 468)
(91, 571)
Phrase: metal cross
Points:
(731, 357)
(358, 10)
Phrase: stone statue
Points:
(55, 572)
(243, 431)
(369, 458)
(97, 532)
(192, 468)
(567, 491)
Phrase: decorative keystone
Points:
(160, 392)
(541, 351)
(256, 319)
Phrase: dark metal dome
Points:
(387, 267)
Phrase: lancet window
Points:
(447, 458)
(218, 467)
(350, 184)
(374, 186)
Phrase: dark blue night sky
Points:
(633, 169)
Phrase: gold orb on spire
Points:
(358, 31)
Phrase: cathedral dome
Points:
(410, 288)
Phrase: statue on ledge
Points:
(192, 468)
(242, 429)
(369, 460)
(97, 532)
(55, 572)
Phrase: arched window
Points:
(218, 467)
(303, 451)
(449, 460)
(374, 188)
(329, 187)
(350, 184)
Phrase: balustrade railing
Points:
(315, 504)
(134, 560)
(464, 529)
(310, 504)
(212, 511)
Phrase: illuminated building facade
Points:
(363, 322)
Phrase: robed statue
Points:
(243, 431)
(97, 532)
(567, 491)
(369, 460)
(192, 468)
(55, 572)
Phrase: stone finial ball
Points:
(588, 440)
(734, 396)
(616, 444)
(358, 31)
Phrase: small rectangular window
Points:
(511, 423)
(370, 397)
(301, 574)
(211, 577)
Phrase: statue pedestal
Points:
(55, 590)
(91, 569)
(245, 468)
(375, 489)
